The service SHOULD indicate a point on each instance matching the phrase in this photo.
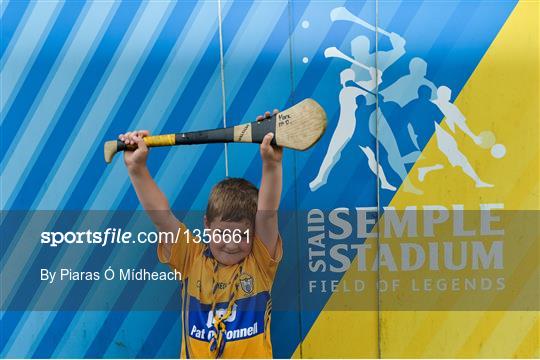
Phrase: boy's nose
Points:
(231, 246)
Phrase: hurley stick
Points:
(299, 127)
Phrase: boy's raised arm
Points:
(151, 197)
(266, 222)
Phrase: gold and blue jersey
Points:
(247, 331)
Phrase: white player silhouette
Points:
(368, 78)
(345, 129)
(401, 92)
(446, 142)
(405, 89)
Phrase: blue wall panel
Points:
(75, 74)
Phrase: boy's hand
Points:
(271, 155)
(135, 159)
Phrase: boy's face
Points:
(232, 252)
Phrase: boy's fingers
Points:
(259, 118)
(133, 137)
(130, 138)
(140, 143)
(267, 114)
(276, 111)
(130, 134)
(267, 139)
(127, 137)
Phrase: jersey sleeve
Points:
(265, 261)
(183, 251)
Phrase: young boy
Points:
(226, 285)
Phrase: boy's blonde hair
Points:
(233, 199)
